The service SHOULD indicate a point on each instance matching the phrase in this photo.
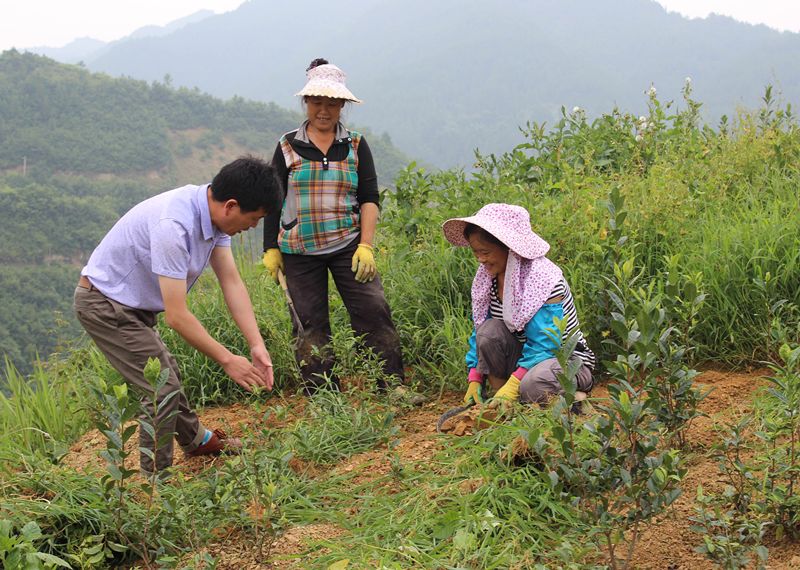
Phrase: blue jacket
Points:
(539, 343)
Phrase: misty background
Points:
(444, 78)
(94, 127)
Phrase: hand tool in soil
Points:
(299, 331)
(451, 413)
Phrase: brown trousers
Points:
(127, 337)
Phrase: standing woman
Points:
(327, 223)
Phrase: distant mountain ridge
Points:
(77, 50)
(449, 76)
(86, 49)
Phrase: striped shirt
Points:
(560, 293)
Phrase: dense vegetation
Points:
(681, 243)
(76, 151)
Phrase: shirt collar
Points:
(209, 231)
(302, 133)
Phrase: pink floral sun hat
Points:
(530, 276)
(327, 81)
(509, 223)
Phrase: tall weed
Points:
(41, 414)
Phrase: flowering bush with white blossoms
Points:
(642, 126)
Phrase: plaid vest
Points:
(320, 207)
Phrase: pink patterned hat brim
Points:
(507, 222)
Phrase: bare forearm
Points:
(180, 318)
(193, 332)
(241, 309)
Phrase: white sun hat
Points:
(327, 80)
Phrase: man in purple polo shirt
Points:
(147, 263)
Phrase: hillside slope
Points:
(77, 150)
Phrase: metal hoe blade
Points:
(452, 412)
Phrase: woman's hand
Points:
(273, 260)
(474, 393)
(364, 263)
(508, 393)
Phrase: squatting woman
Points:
(516, 294)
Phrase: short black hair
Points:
(317, 62)
(470, 229)
(250, 181)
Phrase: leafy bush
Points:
(19, 550)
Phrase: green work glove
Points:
(509, 390)
(273, 260)
(474, 393)
(364, 263)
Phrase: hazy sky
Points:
(54, 23)
(779, 14)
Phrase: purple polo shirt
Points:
(170, 234)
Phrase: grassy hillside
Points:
(77, 150)
(680, 241)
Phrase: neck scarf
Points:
(528, 283)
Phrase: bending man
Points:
(147, 263)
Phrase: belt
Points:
(84, 283)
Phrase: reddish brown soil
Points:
(236, 420)
(666, 544)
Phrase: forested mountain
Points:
(447, 76)
(77, 150)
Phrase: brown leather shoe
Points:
(219, 443)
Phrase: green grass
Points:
(724, 200)
(338, 427)
(41, 413)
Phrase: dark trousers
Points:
(307, 279)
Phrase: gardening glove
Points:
(364, 263)
(474, 393)
(273, 261)
(509, 392)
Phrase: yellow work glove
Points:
(364, 263)
(509, 391)
(273, 260)
(473, 393)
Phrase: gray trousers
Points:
(498, 354)
(127, 337)
(307, 279)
